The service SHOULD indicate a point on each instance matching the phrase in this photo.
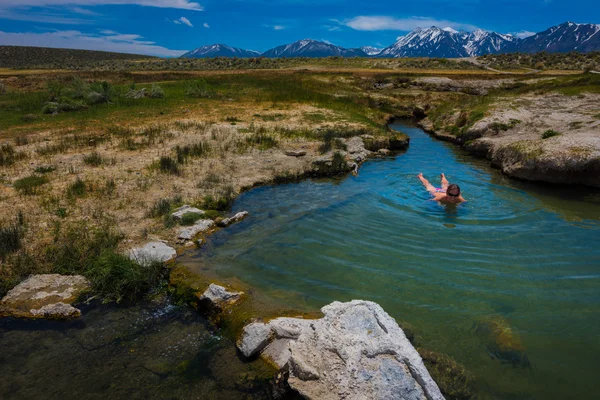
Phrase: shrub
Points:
(191, 150)
(549, 133)
(8, 155)
(212, 214)
(77, 189)
(100, 92)
(21, 140)
(168, 165)
(10, 240)
(200, 89)
(30, 184)
(44, 169)
(156, 92)
(117, 278)
(261, 141)
(190, 218)
(94, 159)
(160, 208)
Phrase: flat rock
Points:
(356, 351)
(181, 211)
(295, 153)
(236, 218)
(189, 232)
(45, 296)
(254, 339)
(152, 252)
(219, 296)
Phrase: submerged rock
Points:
(218, 296)
(236, 218)
(45, 296)
(152, 252)
(189, 232)
(356, 351)
(502, 343)
(181, 211)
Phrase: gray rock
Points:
(152, 252)
(254, 339)
(236, 218)
(356, 351)
(189, 232)
(219, 296)
(383, 152)
(181, 211)
(45, 296)
(295, 153)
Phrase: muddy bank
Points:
(553, 138)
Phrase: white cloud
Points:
(180, 4)
(206, 25)
(382, 23)
(83, 11)
(104, 41)
(185, 21)
(523, 34)
(278, 27)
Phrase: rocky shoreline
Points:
(532, 139)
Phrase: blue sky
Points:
(170, 27)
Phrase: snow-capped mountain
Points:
(312, 48)
(220, 50)
(430, 42)
(449, 43)
(564, 38)
(433, 42)
(371, 51)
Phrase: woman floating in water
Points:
(447, 194)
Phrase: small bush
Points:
(29, 117)
(100, 92)
(77, 189)
(94, 159)
(21, 140)
(190, 218)
(168, 165)
(117, 278)
(212, 214)
(30, 184)
(549, 133)
(156, 92)
(10, 240)
(200, 89)
(160, 208)
(261, 141)
(192, 150)
(8, 155)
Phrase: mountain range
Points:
(433, 42)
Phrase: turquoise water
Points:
(522, 255)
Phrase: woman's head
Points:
(453, 190)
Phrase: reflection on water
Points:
(523, 254)
(144, 352)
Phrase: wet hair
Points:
(453, 190)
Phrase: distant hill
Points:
(31, 57)
(220, 50)
(312, 48)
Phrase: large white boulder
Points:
(189, 232)
(218, 296)
(356, 351)
(152, 252)
(45, 296)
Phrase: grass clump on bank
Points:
(77, 189)
(550, 133)
(30, 185)
(8, 155)
(93, 252)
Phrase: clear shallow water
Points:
(523, 255)
(150, 351)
